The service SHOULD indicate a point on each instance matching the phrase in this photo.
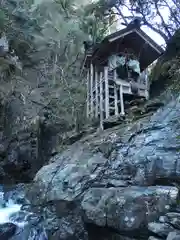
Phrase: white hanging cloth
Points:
(134, 65)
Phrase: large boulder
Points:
(69, 176)
(173, 236)
(27, 138)
(152, 150)
(7, 230)
(160, 229)
(99, 174)
(127, 209)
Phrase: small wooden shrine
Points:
(117, 68)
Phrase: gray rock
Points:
(3, 174)
(91, 171)
(7, 230)
(173, 236)
(173, 215)
(153, 238)
(126, 209)
(117, 183)
(70, 229)
(3, 149)
(163, 219)
(161, 229)
(153, 105)
(152, 145)
(174, 219)
(62, 220)
(68, 179)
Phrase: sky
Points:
(155, 36)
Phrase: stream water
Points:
(17, 222)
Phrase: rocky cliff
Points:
(124, 179)
(122, 183)
(35, 105)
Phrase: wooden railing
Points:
(105, 92)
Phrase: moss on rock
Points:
(165, 73)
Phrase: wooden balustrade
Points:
(105, 93)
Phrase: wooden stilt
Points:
(115, 95)
(147, 85)
(106, 92)
(101, 100)
(91, 90)
(121, 99)
(88, 104)
(96, 93)
(146, 94)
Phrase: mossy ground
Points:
(167, 69)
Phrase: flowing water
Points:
(14, 211)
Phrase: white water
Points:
(10, 212)
(7, 209)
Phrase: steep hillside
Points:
(122, 183)
(44, 97)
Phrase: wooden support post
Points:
(88, 103)
(147, 84)
(115, 95)
(106, 92)
(96, 93)
(121, 99)
(101, 100)
(91, 90)
(146, 94)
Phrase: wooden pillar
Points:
(147, 84)
(106, 92)
(101, 100)
(91, 90)
(121, 99)
(88, 103)
(115, 94)
(96, 92)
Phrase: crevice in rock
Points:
(168, 181)
(105, 233)
(145, 130)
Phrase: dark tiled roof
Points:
(124, 31)
(102, 49)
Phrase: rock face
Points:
(26, 139)
(121, 179)
(173, 236)
(7, 230)
(167, 227)
(161, 229)
(21, 141)
(127, 209)
(69, 178)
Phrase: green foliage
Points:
(48, 38)
(4, 20)
(173, 46)
(160, 70)
(167, 67)
(93, 21)
(167, 72)
(61, 35)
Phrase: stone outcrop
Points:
(25, 140)
(7, 230)
(127, 209)
(121, 179)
